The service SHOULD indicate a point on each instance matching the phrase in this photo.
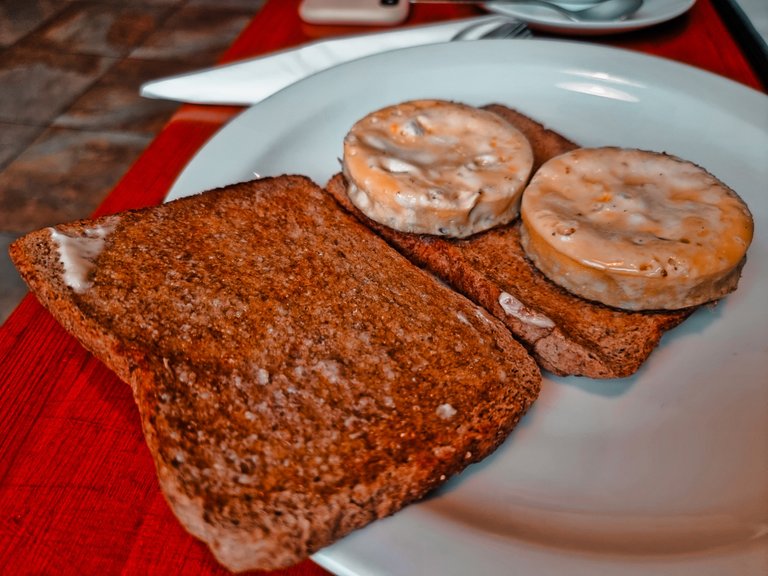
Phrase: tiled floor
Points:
(71, 119)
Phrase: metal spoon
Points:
(507, 29)
(601, 12)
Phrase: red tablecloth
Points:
(78, 492)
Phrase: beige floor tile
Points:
(98, 28)
(64, 176)
(12, 287)
(20, 17)
(196, 34)
(35, 86)
(14, 138)
(114, 103)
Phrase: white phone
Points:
(381, 12)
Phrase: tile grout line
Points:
(40, 25)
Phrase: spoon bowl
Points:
(604, 11)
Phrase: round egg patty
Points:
(436, 167)
(635, 229)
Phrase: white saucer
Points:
(540, 18)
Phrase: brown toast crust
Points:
(566, 334)
(296, 377)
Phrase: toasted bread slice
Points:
(566, 334)
(296, 377)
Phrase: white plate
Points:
(662, 473)
(538, 17)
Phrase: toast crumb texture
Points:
(296, 377)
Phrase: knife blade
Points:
(251, 81)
